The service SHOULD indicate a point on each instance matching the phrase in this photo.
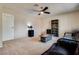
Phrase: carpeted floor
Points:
(26, 46)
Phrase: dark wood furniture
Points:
(48, 31)
(54, 27)
(30, 33)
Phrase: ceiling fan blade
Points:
(47, 12)
(45, 8)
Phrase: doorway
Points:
(7, 26)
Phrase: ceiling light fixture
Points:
(42, 12)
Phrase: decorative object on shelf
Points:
(30, 27)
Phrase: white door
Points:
(8, 26)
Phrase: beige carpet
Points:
(26, 46)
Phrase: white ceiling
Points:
(54, 8)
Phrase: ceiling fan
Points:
(43, 10)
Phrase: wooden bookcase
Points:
(54, 27)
